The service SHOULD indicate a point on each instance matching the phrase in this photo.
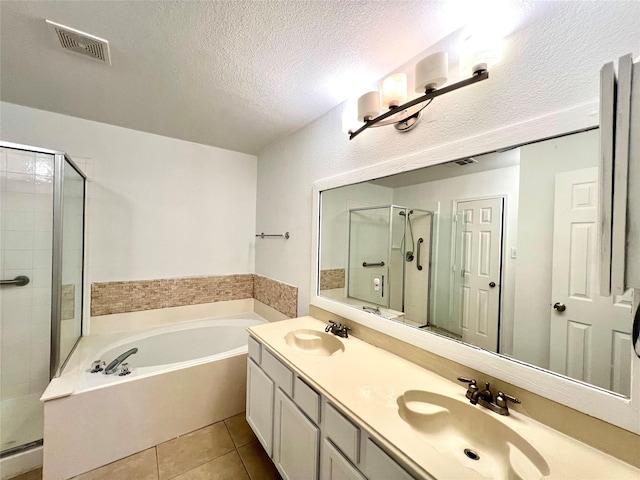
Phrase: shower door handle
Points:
(420, 240)
(19, 281)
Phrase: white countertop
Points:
(365, 381)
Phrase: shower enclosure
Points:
(42, 198)
(390, 260)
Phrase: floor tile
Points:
(141, 466)
(32, 475)
(226, 467)
(257, 462)
(184, 453)
(240, 431)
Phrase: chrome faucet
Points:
(113, 366)
(485, 398)
(337, 329)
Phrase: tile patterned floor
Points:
(226, 450)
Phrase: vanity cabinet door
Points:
(260, 390)
(335, 466)
(381, 466)
(296, 441)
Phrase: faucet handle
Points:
(345, 330)
(97, 366)
(124, 370)
(472, 389)
(470, 381)
(331, 325)
(501, 399)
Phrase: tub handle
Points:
(97, 366)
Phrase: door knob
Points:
(492, 284)
(561, 307)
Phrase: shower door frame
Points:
(348, 279)
(391, 208)
(60, 157)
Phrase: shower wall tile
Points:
(333, 278)
(19, 221)
(278, 295)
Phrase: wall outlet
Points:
(377, 285)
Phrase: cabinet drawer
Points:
(255, 350)
(344, 434)
(307, 399)
(381, 466)
(281, 375)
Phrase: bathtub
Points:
(169, 348)
(183, 377)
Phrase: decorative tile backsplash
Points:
(330, 279)
(133, 296)
(278, 295)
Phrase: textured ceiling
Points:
(233, 74)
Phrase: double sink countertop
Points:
(424, 419)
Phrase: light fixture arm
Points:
(478, 77)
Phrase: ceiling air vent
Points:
(80, 43)
(465, 161)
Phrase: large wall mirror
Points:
(497, 250)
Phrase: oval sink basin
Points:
(471, 435)
(314, 342)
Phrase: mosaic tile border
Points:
(278, 295)
(133, 296)
(332, 278)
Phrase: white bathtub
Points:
(169, 348)
(183, 377)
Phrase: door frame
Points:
(503, 241)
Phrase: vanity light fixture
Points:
(430, 74)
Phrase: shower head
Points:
(402, 212)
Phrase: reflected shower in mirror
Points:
(498, 251)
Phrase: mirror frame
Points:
(608, 406)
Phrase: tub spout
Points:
(113, 366)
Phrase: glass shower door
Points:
(42, 196)
(369, 255)
(26, 213)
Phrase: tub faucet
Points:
(113, 366)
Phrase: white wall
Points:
(159, 207)
(550, 64)
(335, 218)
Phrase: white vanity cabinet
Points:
(306, 436)
(285, 431)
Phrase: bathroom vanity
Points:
(328, 407)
